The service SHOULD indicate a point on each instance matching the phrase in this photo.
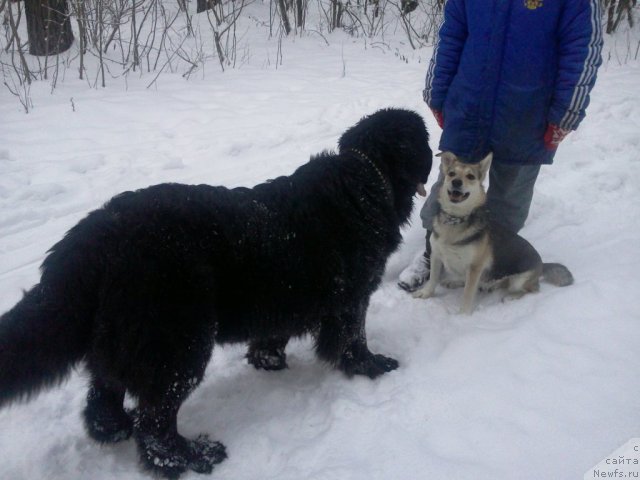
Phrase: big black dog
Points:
(141, 289)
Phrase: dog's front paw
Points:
(172, 455)
(466, 310)
(370, 364)
(425, 292)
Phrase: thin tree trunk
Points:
(48, 26)
(285, 18)
(610, 14)
(204, 5)
(299, 13)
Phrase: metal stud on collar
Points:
(383, 180)
(449, 219)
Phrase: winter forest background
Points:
(104, 96)
(120, 38)
(116, 39)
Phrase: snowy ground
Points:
(540, 388)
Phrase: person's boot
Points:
(417, 273)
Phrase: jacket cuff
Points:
(558, 113)
(435, 103)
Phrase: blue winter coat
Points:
(504, 69)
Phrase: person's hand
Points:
(439, 117)
(553, 136)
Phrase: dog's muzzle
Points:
(457, 196)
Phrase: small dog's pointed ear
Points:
(446, 159)
(485, 165)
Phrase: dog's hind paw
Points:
(115, 432)
(267, 360)
(268, 354)
(105, 420)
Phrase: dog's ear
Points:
(485, 165)
(446, 159)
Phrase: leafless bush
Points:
(429, 20)
(17, 86)
(618, 18)
(118, 38)
(616, 10)
(224, 29)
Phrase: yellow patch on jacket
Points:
(533, 4)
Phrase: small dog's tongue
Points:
(456, 195)
(421, 190)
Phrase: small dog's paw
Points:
(423, 293)
(466, 310)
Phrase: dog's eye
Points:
(470, 177)
(452, 174)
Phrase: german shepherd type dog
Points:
(474, 251)
(141, 289)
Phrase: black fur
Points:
(141, 289)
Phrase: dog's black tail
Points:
(38, 345)
(556, 274)
(45, 334)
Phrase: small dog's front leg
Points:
(434, 278)
(471, 288)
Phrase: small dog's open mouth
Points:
(456, 196)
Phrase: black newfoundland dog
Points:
(141, 289)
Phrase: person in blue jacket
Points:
(511, 77)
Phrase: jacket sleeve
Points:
(446, 54)
(579, 49)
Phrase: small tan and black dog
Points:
(474, 251)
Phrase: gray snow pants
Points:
(508, 198)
